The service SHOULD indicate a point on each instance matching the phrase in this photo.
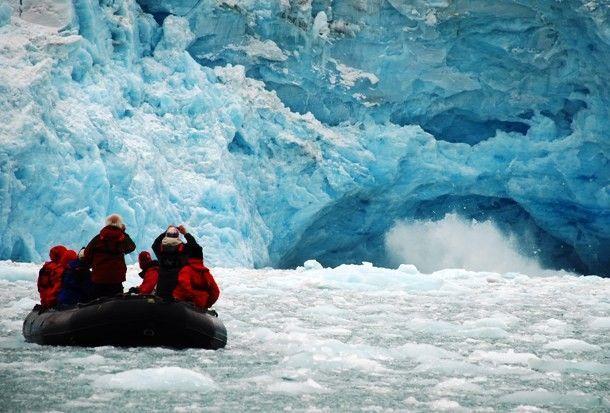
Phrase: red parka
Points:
(196, 284)
(149, 273)
(49, 276)
(106, 255)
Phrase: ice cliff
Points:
(286, 130)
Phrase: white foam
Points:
(453, 242)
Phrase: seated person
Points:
(195, 282)
(149, 274)
(76, 281)
(49, 277)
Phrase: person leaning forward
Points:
(106, 256)
(172, 254)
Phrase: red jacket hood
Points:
(57, 252)
(68, 256)
(196, 263)
(113, 233)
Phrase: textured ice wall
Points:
(104, 110)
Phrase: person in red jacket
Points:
(196, 283)
(49, 277)
(149, 274)
(105, 253)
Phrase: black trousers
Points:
(106, 290)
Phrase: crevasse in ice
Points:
(287, 130)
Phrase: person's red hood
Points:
(68, 256)
(196, 263)
(113, 233)
(57, 252)
(144, 259)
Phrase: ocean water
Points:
(352, 338)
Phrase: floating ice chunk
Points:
(21, 304)
(438, 327)
(458, 385)
(551, 326)
(600, 323)
(571, 345)
(411, 400)
(422, 351)
(334, 355)
(454, 367)
(408, 269)
(510, 357)
(569, 366)
(485, 332)
(503, 321)
(159, 378)
(445, 405)
(547, 398)
(312, 265)
(296, 387)
(527, 409)
(445, 328)
(13, 271)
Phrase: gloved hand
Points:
(133, 290)
(182, 229)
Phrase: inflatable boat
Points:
(127, 321)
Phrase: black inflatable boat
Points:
(127, 321)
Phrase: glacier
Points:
(280, 131)
(350, 338)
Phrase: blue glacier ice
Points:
(280, 131)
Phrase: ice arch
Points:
(352, 230)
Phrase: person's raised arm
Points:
(191, 242)
(128, 244)
(156, 246)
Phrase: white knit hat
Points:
(115, 220)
